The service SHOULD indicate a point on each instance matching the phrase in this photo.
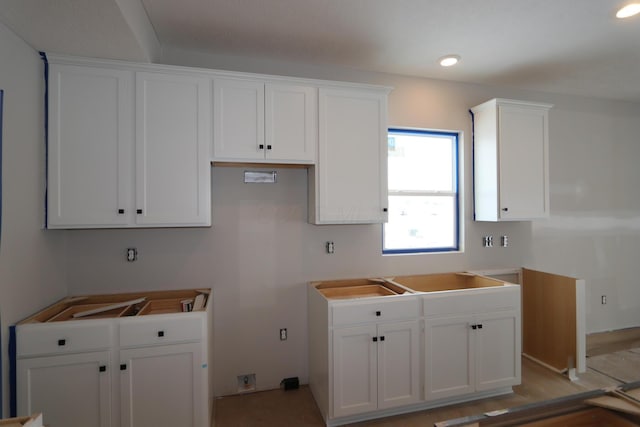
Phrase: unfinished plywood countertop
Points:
(122, 305)
(403, 285)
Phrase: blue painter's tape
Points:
(204, 365)
(46, 135)
(13, 401)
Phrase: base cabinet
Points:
(162, 374)
(375, 367)
(465, 354)
(52, 385)
(376, 356)
(144, 364)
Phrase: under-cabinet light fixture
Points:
(628, 11)
(449, 60)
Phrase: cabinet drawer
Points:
(161, 330)
(386, 309)
(471, 301)
(66, 337)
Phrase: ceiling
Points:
(563, 46)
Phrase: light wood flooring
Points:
(608, 364)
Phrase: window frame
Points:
(456, 136)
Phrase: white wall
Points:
(32, 268)
(260, 251)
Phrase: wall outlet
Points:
(603, 299)
(331, 247)
(132, 254)
(246, 382)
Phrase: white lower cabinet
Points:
(139, 365)
(375, 367)
(73, 390)
(180, 383)
(377, 356)
(469, 353)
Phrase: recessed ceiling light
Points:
(449, 60)
(629, 10)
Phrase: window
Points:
(423, 192)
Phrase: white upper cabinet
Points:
(90, 149)
(262, 122)
(291, 123)
(172, 150)
(349, 183)
(127, 148)
(511, 166)
(131, 145)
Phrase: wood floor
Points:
(297, 407)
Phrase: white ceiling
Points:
(565, 46)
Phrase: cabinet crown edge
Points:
(62, 59)
(495, 102)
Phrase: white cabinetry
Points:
(173, 134)
(91, 146)
(263, 122)
(74, 390)
(127, 147)
(511, 166)
(375, 367)
(349, 182)
(365, 354)
(479, 351)
(145, 365)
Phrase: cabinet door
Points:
(172, 150)
(349, 184)
(523, 159)
(498, 350)
(70, 390)
(238, 120)
(398, 364)
(162, 387)
(355, 370)
(90, 147)
(291, 130)
(449, 357)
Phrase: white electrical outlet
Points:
(132, 254)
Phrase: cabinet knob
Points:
(261, 146)
(385, 210)
(378, 313)
(160, 334)
(505, 209)
(474, 327)
(480, 326)
(103, 368)
(268, 147)
(62, 342)
(138, 211)
(382, 338)
(120, 211)
(123, 367)
(375, 339)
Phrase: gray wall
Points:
(32, 267)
